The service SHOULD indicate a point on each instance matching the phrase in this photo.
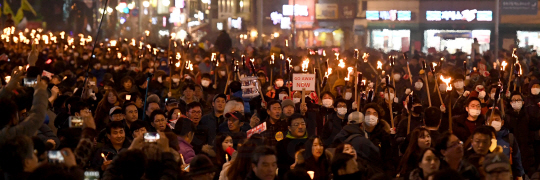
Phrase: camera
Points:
(55, 157)
(29, 82)
(75, 121)
(151, 137)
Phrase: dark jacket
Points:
(273, 130)
(212, 122)
(286, 150)
(109, 151)
(523, 127)
(380, 137)
(458, 103)
(461, 130)
(401, 131)
(466, 170)
(323, 116)
(510, 147)
(332, 128)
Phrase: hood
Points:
(533, 82)
(349, 130)
(339, 82)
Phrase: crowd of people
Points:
(128, 112)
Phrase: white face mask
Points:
(535, 91)
(371, 120)
(348, 95)
(205, 83)
(279, 83)
(474, 112)
(282, 96)
(397, 77)
(492, 96)
(482, 94)
(176, 80)
(327, 102)
(517, 105)
(388, 98)
(497, 125)
(160, 79)
(342, 111)
(458, 85)
(442, 87)
(297, 68)
(418, 85)
(296, 100)
(222, 73)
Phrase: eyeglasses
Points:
(195, 112)
(299, 124)
(460, 143)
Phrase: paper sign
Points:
(47, 73)
(258, 129)
(301, 81)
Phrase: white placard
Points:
(301, 81)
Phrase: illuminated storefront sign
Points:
(465, 15)
(299, 10)
(235, 23)
(391, 15)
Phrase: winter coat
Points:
(461, 130)
(523, 127)
(272, 131)
(286, 150)
(212, 122)
(332, 128)
(34, 120)
(186, 150)
(458, 103)
(510, 147)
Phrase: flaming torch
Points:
(448, 89)
(305, 65)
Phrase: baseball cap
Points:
(356, 118)
(287, 102)
(115, 110)
(220, 95)
(496, 161)
(171, 101)
(235, 115)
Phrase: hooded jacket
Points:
(286, 149)
(504, 138)
(363, 146)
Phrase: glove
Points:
(407, 91)
(466, 93)
(443, 108)
(396, 100)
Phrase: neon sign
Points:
(465, 15)
(391, 15)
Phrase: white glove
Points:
(396, 100)
(443, 108)
(354, 105)
(407, 91)
(466, 93)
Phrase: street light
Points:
(146, 4)
(241, 4)
(276, 34)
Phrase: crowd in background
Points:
(185, 112)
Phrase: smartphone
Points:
(29, 82)
(91, 175)
(151, 137)
(128, 97)
(75, 121)
(55, 157)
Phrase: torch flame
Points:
(434, 65)
(272, 59)
(363, 82)
(147, 33)
(341, 63)
(133, 43)
(177, 64)
(213, 57)
(62, 34)
(305, 65)
(379, 65)
(504, 65)
(119, 54)
(337, 56)
(328, 72)
(178, 56)
(349, 69)
(113, 42)
(447, 82)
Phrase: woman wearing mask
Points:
(390, 98)
(507, 141)
(523, 127)
(316, 159)
(109, 100)
(420, 140)
(378, 132)
(428, 162)
(325, 111)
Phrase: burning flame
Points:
(15, 39)
(520, 71)
(7, 79)
(177, 64)
(324, 53)
(178, 56)
(327, 73)
(363, 82)
(349, 69)
(173, 35)
(379, 65)
(147, 33)
(213, 57)
(447, 82)
(272, 59)
(119, 54)
(434, 65)
(337, 56)
(62, 34)
(113, 42)
(503, 64)
(133, 43)
(280, 56)
(341, 63)
(305, 65)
